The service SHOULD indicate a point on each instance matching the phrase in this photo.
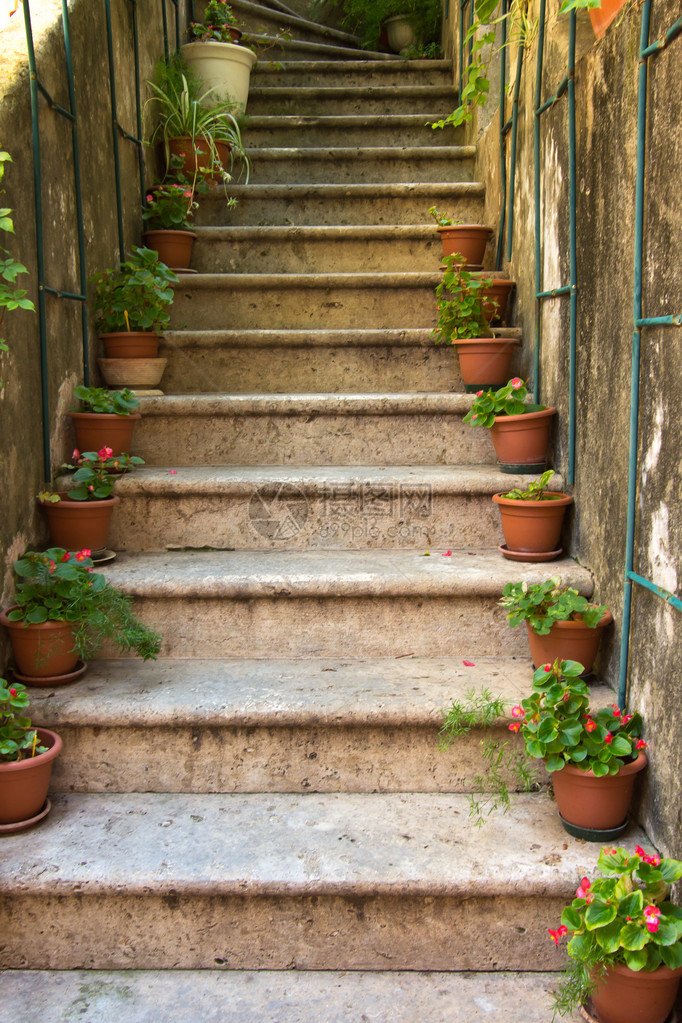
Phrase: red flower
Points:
(640, 744)
(608, 738)
(559, 933)
(590, 725)
(12, 692)
(514, 726)
(105, 453)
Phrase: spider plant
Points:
(183, 111)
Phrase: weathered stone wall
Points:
(606, 119)
(21, 444)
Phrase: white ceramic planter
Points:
(400, 33)
(223, 67)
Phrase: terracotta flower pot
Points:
(523, 440)
(77, 524)
(134, 344)
(468, 239)
(602, 16)
(532, 527)
(95, 430)
(24, 783)
(174, 248)
(484, 361)
(44, 650)
(197, 152)
(596, 804)
(567, 641)
(496, 300)
(623, 995)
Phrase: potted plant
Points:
(81, 514)
(467, 239)
(532, 519)
(562, 625)
(484, 359)
(104, 419)
(593, 756)
(625, 944)
(132, 303)
(369, 19)
(26, 758)
(519, 431)
(62, 611)
(167, 213)
(205, 138)
(222, 65)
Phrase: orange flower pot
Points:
(469, 240)
(567, 641)
(522, 439)
(623, 995)
(532, 527)
(596, 804)
(95, 430)
(174, 248)
(77, 524)
(24, 783)
(131, 344)
(484, 361)
(44, 650)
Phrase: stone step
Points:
(310, 429)
(281, 881)
(274, 47)
(257, 19)
(378, 248)
(336, 507)
(342, 74)
(320, 361)
(356, 99)
(287, 996)
(349, 130)
(278, 725)
(356, 165)
(217, 301)
(330, 603)
(273, 726)
(393, 203)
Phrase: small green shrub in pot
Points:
(134, 296)
(460, 304)
(105, 402)
(543, 604)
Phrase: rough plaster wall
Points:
(21, 463)
(606, 106)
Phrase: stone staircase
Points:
(259, 826)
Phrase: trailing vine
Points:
(11, 297)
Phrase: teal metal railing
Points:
(646, 52)
(566, 88)
(507, 125)
(37, 89)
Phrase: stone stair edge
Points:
(329, 574)
(350, 92)
(276, 232)
(336, 120)
(455, 152)
(401, 692)
(294, 996)
(396, 64)
(391, 189)
(309, 480)
(357, 845)
(339, 337)
(203, 405)
(234, 281)
(304, 46)
(296, 21)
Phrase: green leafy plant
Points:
(558, 726)
(535, 491)
(100, 399)
(366, 17)
(442, 219)
(482, 710)
(95, 474)
(169, 206)
(479, 50)
(460, 303)
(182, 110)
(622, 917)
(507, 401)
(17, 739)
(543, 604)
(58, 586)
(11, 297)
(218, 20)
(136, 295)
